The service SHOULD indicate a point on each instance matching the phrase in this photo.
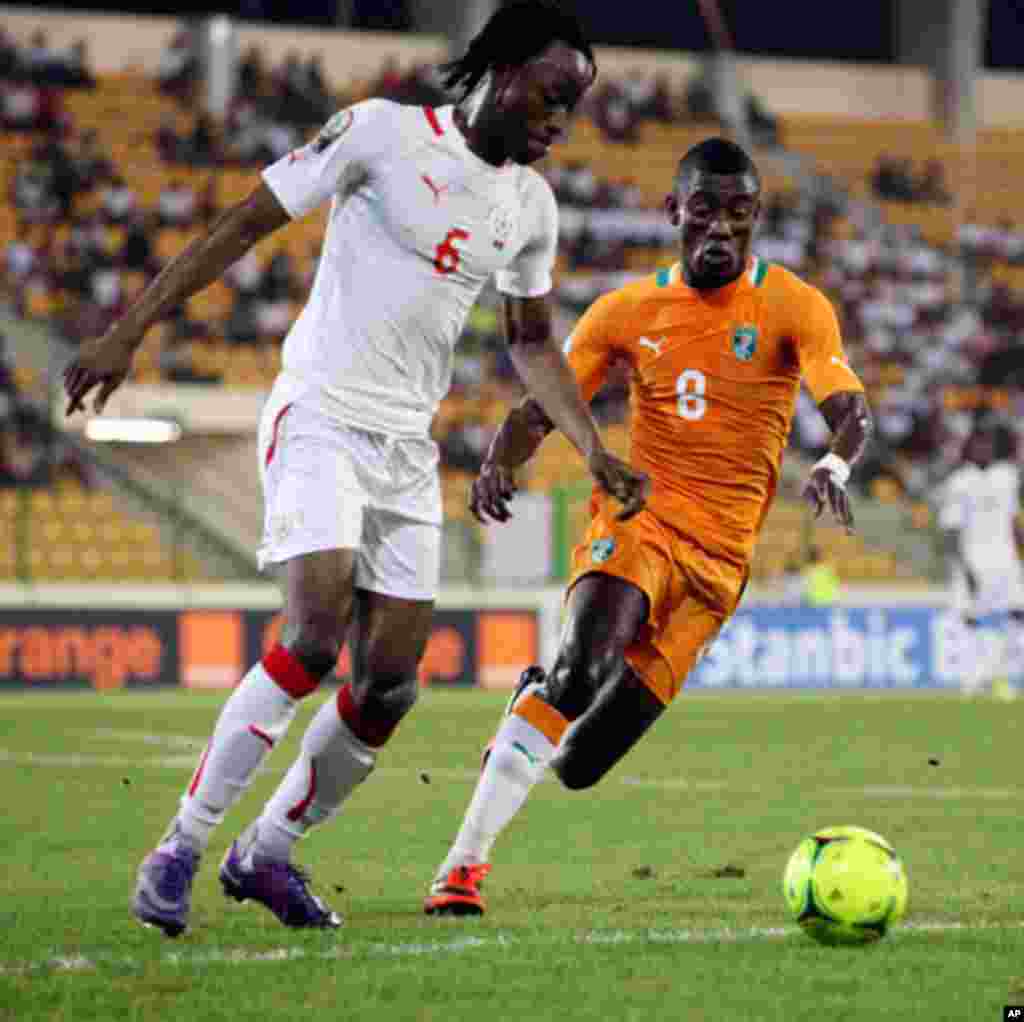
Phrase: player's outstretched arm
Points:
(849, 418)
(105, 361)
(546, 374)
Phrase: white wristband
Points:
(837, 468)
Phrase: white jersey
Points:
(418, 224)
(982, 503)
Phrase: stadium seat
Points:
(51, 531)
(100, 503)
(41, 502)
(74, 534)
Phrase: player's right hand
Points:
(103, 362)
(615, 477)
(493, 489)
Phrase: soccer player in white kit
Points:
(426, 205)
(978, 507)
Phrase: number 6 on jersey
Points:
(446, 255)
(690, 387)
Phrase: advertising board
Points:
(913, 646)
(111, 648)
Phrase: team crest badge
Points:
(744, 342)
(601, 550)
(333, 130)
(502, 225)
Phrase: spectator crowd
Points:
(919, 320)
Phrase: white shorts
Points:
(328, 486)
(1000, 589)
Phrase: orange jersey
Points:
(715, 381)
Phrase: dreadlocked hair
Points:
(515, 34)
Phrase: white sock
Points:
(255, 717)
(331, 763)
(518, 759)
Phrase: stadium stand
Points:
(68, 533)
(924, 287)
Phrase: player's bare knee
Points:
(376, 706)
(577, 676)
(314, 641)
(575, 770)
(386, 696)
(622, 712)
(385, 680)
(564, 692)
(316, 653)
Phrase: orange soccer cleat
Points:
(458, 893)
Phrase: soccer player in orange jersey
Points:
(718, 345)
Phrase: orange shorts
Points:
(691, 593)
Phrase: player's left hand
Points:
(824, 489)
(493, 489)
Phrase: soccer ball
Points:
(845, 885)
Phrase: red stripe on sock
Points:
(347, 709)
(199, 771)
(434, 122)
(296, 811)
(261, 734)
(288, 673)
(371, 732)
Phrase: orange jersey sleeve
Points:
(814, 329)
(592, 345)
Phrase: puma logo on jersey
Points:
(436, 189)
(655, 346)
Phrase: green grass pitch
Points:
(611, 904)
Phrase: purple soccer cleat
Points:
(281, 887)
(163, 890)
